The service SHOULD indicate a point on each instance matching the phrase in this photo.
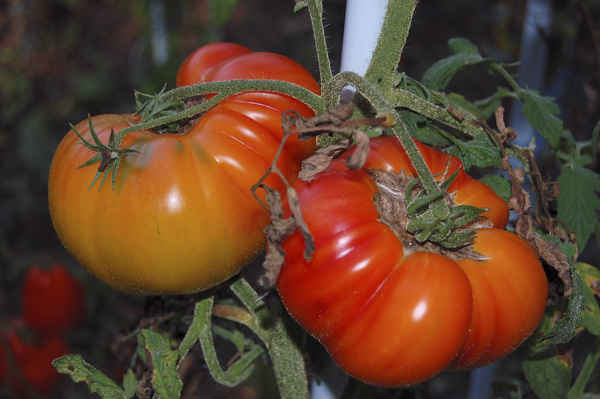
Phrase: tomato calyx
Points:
(399, 206)
(454, 231)
(153, 107)
(109, 154)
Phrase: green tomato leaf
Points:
(81, 371)
(549, 377)
(461, 45)
(541, 113)
(165, 378)
(130, 383)
(300, 4)
(500, 185)
(477, 152)
(419, 127)
(591, 310)
(578, 201)
(201, 329)
(487, 106)
(460, 103)
(441, 73)
(565, 329)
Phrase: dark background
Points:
(63, 59)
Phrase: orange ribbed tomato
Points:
(390, 312)
(181, 217)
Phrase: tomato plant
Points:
(392, 311)
(401, 269)
(28, 363)
(52, 300)
(180, 217)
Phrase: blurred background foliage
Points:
(61, 60)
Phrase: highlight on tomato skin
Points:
(393, 314)
(181, 217)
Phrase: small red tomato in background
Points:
(26, 364)
(52, 300)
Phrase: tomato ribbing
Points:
(393, 317)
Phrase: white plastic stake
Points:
(362, 25)
(361, 30)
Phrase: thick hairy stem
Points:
(224, 90)
(315, 8)
(410, 101)
(390, 44)
(371, 93)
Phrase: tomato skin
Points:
(205, 58)
(33, 360)
(393, 316)
(53, 301)
(181, 217)
(510, 290)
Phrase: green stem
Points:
(237, 86)
(287, 359)
(224, 89)
(589, 365)
(391, 42)
(506, 75)
(379, 102)
(410, 101)
(315, 8)
(201, 329)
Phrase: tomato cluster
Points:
(53, 303)
(181, 217)
(392, 312)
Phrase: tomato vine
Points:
(387, 103)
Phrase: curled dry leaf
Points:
(278, 230)
(459, 116)
(318, 162)
(359, 157)
(334, 122)
(548, 251)
(507, 134)
(521, 204)
(144, 388)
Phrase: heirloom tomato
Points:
(181, 217)
(391, 311)
(52, 300)
(29, 362)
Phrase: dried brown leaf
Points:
(278, 230)
(359, 156)
(319, 161)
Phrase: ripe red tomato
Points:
(181, 217)
(392, 313)
(52, 300)
(33, 361)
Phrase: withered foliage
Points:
(391, 200)
(521, 204)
